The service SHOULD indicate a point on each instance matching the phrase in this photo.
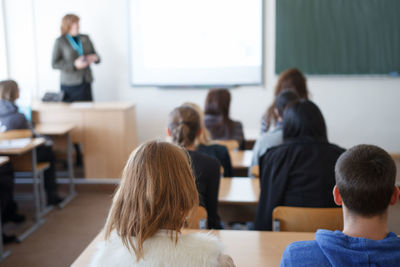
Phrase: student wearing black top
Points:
(204, 144)
(300, 172)
(183, 127)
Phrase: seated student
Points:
(289, 79)
(8, 205)
(11, 119)
(365, 187)
(300, 172)
(183, 127)
(217, 119)
(274, 136)
(204, 145)
(149, 209)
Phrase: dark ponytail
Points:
(184, 124)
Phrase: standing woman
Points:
(73, 53)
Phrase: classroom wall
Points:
(357, 109)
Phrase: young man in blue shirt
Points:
(365, 187)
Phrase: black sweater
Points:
(221, 154)
(298, 173)
(207, 172)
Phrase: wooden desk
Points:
(239, 191)
(107, 132)
(238, 199)
(61, 132)
(3, 254)
(241, 161)
(14, 154)
(260, 249)
(241, 158)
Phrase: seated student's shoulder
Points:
(203, 159)
(304, 253)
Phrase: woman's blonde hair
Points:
(184, 125)
(204, 138)
(9, 90)
(157, 191)
(67, 22)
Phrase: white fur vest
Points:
(196, 249)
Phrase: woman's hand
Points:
(81, 63)
(92, 58)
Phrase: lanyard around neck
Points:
(76, 45)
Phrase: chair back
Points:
(300, 219)
(197, 219)
(229, 144)
(15, 134)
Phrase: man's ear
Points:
(395, 196)
(199, 132)
(169, 132)
(336, 196)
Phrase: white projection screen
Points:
(201, 43)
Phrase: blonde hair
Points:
(157, 191)
(67, 22)
(204, 138)
(184, 124)
(9, 90)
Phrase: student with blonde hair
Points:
(205, 145)
(184, 127)
(156, 195)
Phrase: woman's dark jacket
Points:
(298, 173)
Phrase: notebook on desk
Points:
(14, 143)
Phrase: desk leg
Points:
(72, 192)
(3, 254)
(36, 194)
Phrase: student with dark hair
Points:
(273, 137)
(300, 172)
(365, 187)
(217, 119)
(184, 127)
(289, 79)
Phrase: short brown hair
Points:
(9, 90)
(67, 22)
(157, 191)
(289, 79)
(365, 178)
(184, 124)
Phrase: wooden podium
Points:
(106, 131)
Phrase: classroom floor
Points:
(64, 235)
(67, 232)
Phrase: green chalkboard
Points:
(338, 36)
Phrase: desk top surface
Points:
(54, 128)
(239, 191)
(79, 106)
(35, 142)
(260, 249)
(4, 160)
(241, 158)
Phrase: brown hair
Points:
(289, 79)
(67, 22)
(184, 124)
(9, 90)
(204, 137)
(157, 191)
(365, 178)
(217, 103)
